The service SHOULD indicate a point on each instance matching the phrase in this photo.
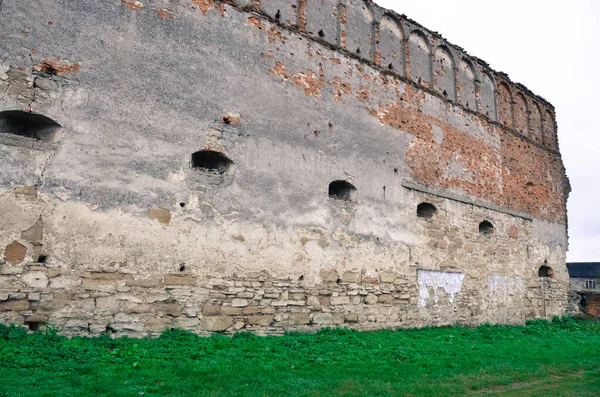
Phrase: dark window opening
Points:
(426, 210)
(321, 33)
(390, 66)
(278, 15)
(212, 162)
(182, 267)
(546, 271)
(590, 284)
(30, 125)
(42, 259)
(486, 228)
(342, 190)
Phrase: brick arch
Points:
(391, 45)
(322, 20)
(549, 128)
(521, 113)
(419, 54)
(487, 95)
(444, 77)
(360, 29)
(466, 84)
(505, 102)
(535, 123)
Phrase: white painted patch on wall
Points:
(508, 285)
(448, 281)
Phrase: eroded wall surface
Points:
(107, 227)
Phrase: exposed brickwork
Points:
(57, 66)
(591, 303)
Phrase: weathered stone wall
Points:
(107, 226)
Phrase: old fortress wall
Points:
(265, 166)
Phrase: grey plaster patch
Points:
(438, 133)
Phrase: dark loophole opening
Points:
(226, 120)
(182, 267)
(212, 162)
(34, 325)
(486, 228)
(583, 302)
(390, 66)
(342, 190)
(182, 205)
(358, 50)
(278, 15)
(545, 271)
(321, 33)
(338, 281)
(42, 259)
(301, 278)
(30, 125)
(426, 210)
(445, 93)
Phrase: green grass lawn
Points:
(558, 358)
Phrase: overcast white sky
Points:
(551, 47)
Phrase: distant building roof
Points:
(584, 269)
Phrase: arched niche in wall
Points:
(466, 87)
(535, 123)
(444, 78)
(211, 162)
(486, 228)
(29, 125)
(545, 271)
(505, 100)
(426, 210)
(210, 168)
(391, 45)
(360, 30)
(342, 190)
(322, 20)
(549, 130)
(284, 11)
(521, 114)
(487, 95)
(420, 58)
